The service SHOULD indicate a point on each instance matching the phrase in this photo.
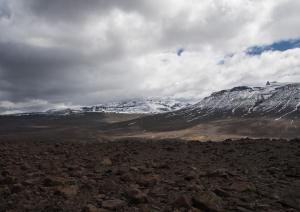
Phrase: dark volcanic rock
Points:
(243, 186)
(244, 175)
(114, 204)
(208, 201)
(135, 196)
(182, 202)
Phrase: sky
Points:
(63, 53)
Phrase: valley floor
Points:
(150, 175)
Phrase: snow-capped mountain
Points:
(274, 101)
(278, 100)
(139, 106)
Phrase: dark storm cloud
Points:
(56, 74)
(33, 72)
(5, 11)
(79, 10)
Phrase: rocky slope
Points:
(274, 101)
(245, 175)
(278, 100)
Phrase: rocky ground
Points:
(131, 175)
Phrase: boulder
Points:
(113, 204)
(242, 186)
(182, 202)
(68, 191)
(135, 195)
(106, 162)
(208, 201)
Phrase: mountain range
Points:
(278, 100)
(134, 106)
(275, 100)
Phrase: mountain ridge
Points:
(133, 106)
(274, 101)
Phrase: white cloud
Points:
(8, 107)
(98, 51)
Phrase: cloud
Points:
(88, 52)
(7, 107)
(5, 12)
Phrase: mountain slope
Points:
(136, 106)
(274, 101)
(278, 100)
(139, 106)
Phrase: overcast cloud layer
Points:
(71, 52)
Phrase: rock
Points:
(208, 201)
(25, 166)
(29, 182)
(292, 172)
(163, 166)
(220, 192)
(135, 196)
(100, 197)
(263, 207)
(194, 187)
(182, 202)
(106, 162)
(68, 191)
(5, 173)
(135, 169)
(7, 180)
(273, 170)
(114, 204)
(53, 181)
(291, 200)
(219, 173)
(91, 208)
(191, 176)
(16, 188)
(148, 180)
(202, 173)
(242, 209)
(242, 186)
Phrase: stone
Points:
(202, 174)
(91, 208)
(148, 180)
(191, 176)
(135, 195)
(208, 201)
(106, 162)
(16, 188)
(53, 181)
(219, 173)
(182, 202)
(222, 193)
(25, 166)
(29, 182)
(291, 200)
(242, 186)
(7, 180)
(68, 191)
(135, 169)
(114, 204)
